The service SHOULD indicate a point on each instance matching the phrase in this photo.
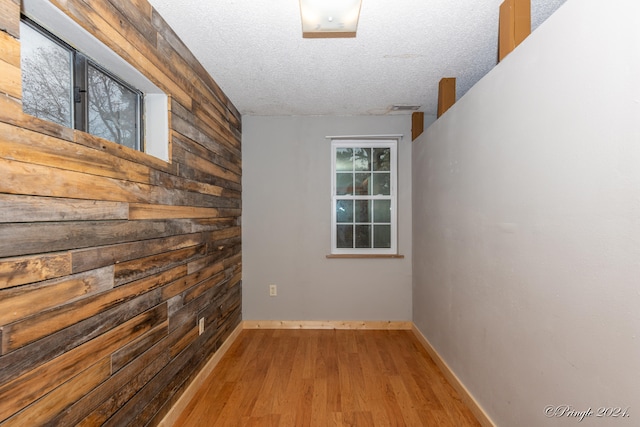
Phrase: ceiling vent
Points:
(405, 107)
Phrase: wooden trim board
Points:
(177, 409)
(455, 382)
(326, 324)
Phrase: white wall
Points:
(526, 213)
(286, 225)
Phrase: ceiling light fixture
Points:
(329, 18)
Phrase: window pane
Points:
(381, 236)
(381, 159)
(382, 211)
(363, 184)
(363, 210)
(382, 184)
(344, 236)
(344, 184)
(344, 159)
(362, 159)
(344, 211)
(46, 77)
(113, 109)
(363, 236)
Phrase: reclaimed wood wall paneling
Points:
(108, 256)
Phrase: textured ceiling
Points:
(255, 52)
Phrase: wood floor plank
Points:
(326, 378)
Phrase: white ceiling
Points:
(255, 51)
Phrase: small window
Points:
(363, 218)
(62, 85)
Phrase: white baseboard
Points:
(455, 382)
(177, 409)
(326, 324)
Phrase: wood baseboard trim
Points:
(177, 409)
(455, 382)
(327, 324)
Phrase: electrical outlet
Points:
(201, 326)
(273, 291)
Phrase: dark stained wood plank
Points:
(64, 191)
(24, 359)
(39, 209)
(24, 301)
(98, 405)
(175, 182)
(138, 268)
(131, 351)
(95, 257)
(36, 327)
(18, 239)
(29, 269)
(42, 411)
(26, 389)
(181, 285)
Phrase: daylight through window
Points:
(62, 85)
(363, 197)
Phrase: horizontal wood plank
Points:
(40, 412)
(134, 349)
(9, 49)
(90, 258)
(24, 301)
(10, 79)
(48, 151)
(26, 389)
(98, 405)
(80, 215)
(109, 34)
(10, 17)
(148, 211)
(29, 269)
(39, 352)
(33, 328)
(46, 209)
(135, 269)
(16, 239)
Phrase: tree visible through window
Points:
(364, 197)
(62, 85)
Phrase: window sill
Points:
(364, 256)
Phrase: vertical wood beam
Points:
(514, 25)
(417, 124)
(446, 94)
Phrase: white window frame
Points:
(366, 142)
(156, 107)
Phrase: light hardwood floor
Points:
(326, 378)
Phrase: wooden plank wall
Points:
(108, 256)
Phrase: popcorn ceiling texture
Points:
(255, 52)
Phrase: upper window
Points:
(363, 197)
(64, 86)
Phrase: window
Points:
(364, 204)
(62, 85)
